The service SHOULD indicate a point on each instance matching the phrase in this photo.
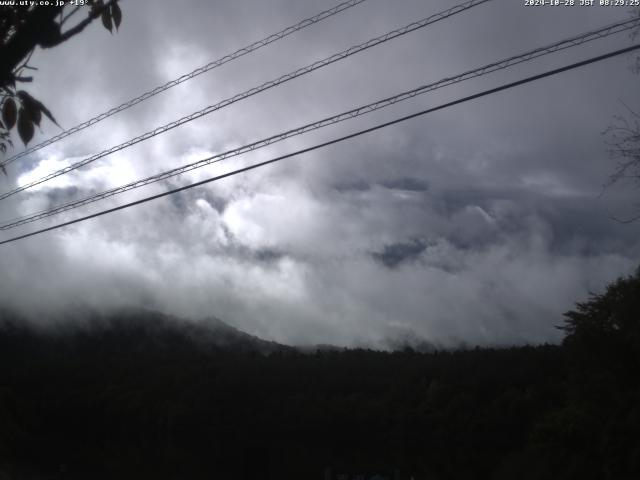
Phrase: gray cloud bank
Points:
(480, 224)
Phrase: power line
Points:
(362, 110)
(331, 142)
(255, 90)
(198, 71)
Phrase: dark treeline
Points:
(139, 395)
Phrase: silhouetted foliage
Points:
(623, 136)
(22, 29)
(606, 328)
(623, 140)
(601, 422)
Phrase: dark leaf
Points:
(36, 116)
(116, 13)
(106, 20)
(34, 112)
(46, 111)
(4, 170)
(95, 7)
(9, 112)
(31, 105)
(2, 125)
(25, 125)
(35, 107)
(26, 99)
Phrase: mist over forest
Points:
(139, 394)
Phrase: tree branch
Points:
(69, 15)
(39, 29)
(39, 23)
(83, 24)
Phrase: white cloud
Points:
(288, 252)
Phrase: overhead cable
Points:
(255, 90)
(330, 142)
(198, 71)
(362, 110)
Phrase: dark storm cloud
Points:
(478, 224)
(410, 184)
(398, 253)
(356, 185)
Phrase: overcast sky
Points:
(479, 224)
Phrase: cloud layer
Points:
(478, 224)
